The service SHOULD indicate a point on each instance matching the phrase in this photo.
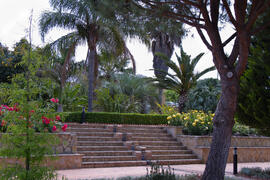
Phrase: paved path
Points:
(94, 173)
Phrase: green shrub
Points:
(116, 118)
(256, 172)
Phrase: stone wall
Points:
(249, 149)
(66, 150)
(67, 143)
(60, 161)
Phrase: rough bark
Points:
(161, 44)
(91, 78)
(222, 123)
(92, 43)
(182, 101)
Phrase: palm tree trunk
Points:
(222, 123)
(163, 45)
(182, 101)
(91, 74)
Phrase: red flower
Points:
(58, 118)
(54, 100)
(54, 128)
(3, 123)
(45, 120)
(64, 127)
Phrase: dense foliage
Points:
(204, 96)
(126, 93)
(254, 96)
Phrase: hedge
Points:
(115, 118)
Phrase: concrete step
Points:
(99, 134)
(100, 143)
(149, 131)
(167, 152)
(113, 164)
(88, 130)
(108, 158)
(97, 138)
(149, 134)
(102, 148)
(177, 161)
(87, 125)
(152, 139)
(159, 143)
(106, 153)
(165, 147)
(173, 156)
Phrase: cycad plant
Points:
(183, 77)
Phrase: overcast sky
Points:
(14, 20)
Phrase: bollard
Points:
(83, 115)
(124, 137)
(235, 160)
(114, 128)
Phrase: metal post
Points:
(235, 160)
(83, 115)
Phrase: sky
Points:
(14, 20)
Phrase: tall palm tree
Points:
(184, 77)
(84, 18)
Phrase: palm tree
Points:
(85, 19)
(184, 77)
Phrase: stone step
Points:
(149, 131)
(177, 161)
(163, 152)
(106, 153)
(149, 134)
(87, 125)
(108, 158)
(99, 134)
(152, 139)
(165, 147)
(102, 148)
(97, 138)
(100, 143)
(173, 156)
(159, 143)
(88, 130)
(113, 164)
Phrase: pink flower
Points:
(64, 127)
(58, 118)
(54, 100)
(54, 128)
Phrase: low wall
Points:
(60, 161)
(249, 149)
(67, 143)
(66, 150)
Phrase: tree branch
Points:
(204, 39)
(229, 39)
(234, 53)
(228, 10)
(261, 28)
(214, 7)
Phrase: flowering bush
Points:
(9, 116)
(197, 122)
(194, 122)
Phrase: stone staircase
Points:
(106, 145)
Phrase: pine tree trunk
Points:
(222, 123)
